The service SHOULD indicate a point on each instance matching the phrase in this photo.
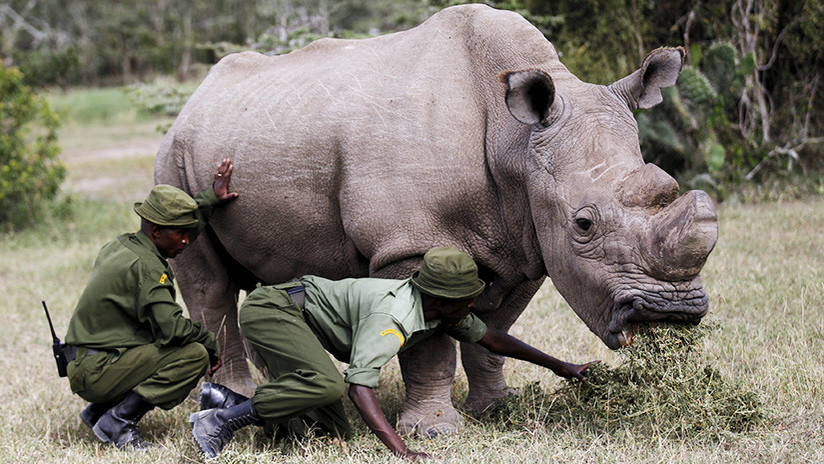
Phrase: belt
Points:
(71, 352)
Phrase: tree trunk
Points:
(748, 15)
(184, 70)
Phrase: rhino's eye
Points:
(584, 224)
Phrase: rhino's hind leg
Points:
(428, 370)
(484, 370)
(211, 296)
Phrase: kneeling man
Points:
(132, 347)
(364, 322)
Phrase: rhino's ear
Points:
(529, 94)
(642, 89)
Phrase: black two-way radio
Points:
(59, 349)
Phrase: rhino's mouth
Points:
(629, 313)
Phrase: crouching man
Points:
(133, 349)
(364, 322)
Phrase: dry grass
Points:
(766, 284)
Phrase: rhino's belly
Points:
(277, 243)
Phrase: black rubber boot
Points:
(118, 425)
(92, 413)
(214, 428)
(214, 395)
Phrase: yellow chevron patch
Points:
(163, 279)
(393, 332)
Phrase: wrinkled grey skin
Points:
(353, 158)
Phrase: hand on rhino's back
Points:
(356, 157)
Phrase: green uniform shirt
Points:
(366, 322)
(130, 298)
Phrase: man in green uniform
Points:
(133, 349)
(364, 322)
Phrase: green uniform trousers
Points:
(303, 380)
(162, 376)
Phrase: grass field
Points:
(765, 279)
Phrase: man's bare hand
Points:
(570, 370)
(215, 365)
(222, 177)
(416, 455)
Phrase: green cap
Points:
(448, 272)
(168, 206)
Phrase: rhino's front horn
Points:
(681, 237)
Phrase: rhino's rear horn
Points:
(529, 94)
(647, 187)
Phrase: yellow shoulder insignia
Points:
(393, 332)
(163, 278)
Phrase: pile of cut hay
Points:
(663, 388)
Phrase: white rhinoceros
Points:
(355, 157)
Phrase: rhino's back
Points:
(373, 148)
(445, 68)
(457, 42)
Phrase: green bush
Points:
(30, 171)
(41, 68)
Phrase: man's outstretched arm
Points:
(506, 345)
(367, 405)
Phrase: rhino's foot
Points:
(429, 419)
(479, 403)
(243, 385)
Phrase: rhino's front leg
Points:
(428, 370)
(211, 296)
(484, 370)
